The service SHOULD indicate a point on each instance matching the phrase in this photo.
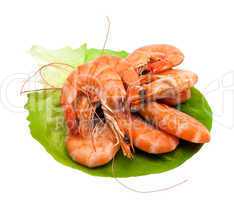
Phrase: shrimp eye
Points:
(126, 138)
(146, 71)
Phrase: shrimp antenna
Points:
(38, 90)
(57, 65)
(107, 34)
(142, 191)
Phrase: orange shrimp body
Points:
(175, 122)
(167, 84)
(95, 150)
(155, 58)
(95, 145)
(150, 139)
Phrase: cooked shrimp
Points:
(93, 151)
(98, 81)
(168, 84)
(175, 122)
(155, 58)
(95, 145)
(179, 98)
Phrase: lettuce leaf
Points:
(91, 54)
(48, 128)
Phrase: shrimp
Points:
(93, 151)
(94, 145)
(179, 98)
(168, 84)
(99, 82)
(155, 58)
(175, 122)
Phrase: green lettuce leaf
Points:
(91, 54)
(48, 128)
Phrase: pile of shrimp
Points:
(112, 103)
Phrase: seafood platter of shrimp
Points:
(134, 110)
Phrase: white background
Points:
(203, 30)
